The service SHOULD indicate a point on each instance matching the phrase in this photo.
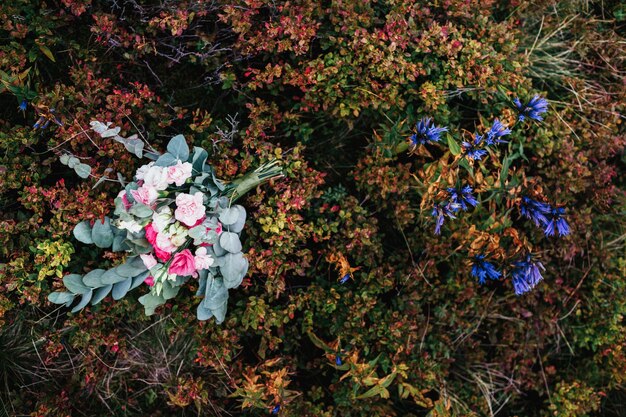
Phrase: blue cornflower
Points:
(482, 269)
(344, 279)
(471, 149)
(498, 130)
(526, 275)
(426, 133)
(276, 409)
(535, 210)
(440, 210)
(462, 197)
(338, 361)
(555, 221)
(23, 105)
(535, 107)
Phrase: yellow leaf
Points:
(47, 52)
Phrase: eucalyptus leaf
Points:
(101, 234)
(169, 291)
(139, 279)
(218, 249)
(166, 160)
(119, 244)
(199, 159)
(203, 313)
(111, 277)
(82, 170)
(234, 269)
(141, 210)
(238, 226)
(72, 162)
(132, 267)
(75, 284)
(178, 148)
(61, 297)
(83, 301)
(82, 232)
(229, 216)
(100, 293)
(151, 302)
(93, 278)
(121, 288)
(230, 242)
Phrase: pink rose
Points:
(148, 260)
(149, 281)
(150, 234)
(183, 264)
(145, 195)
(151, 237)
(202, 260)
(189, 208)
(179, 173)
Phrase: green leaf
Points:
(75, 284)
(102, 234)
(47, 52)
(61, 297)
(83, 302)
(121, 288)
(64, 159)
(455, 149)
(504, 173)
(178, 147)
(94, 278)
(82, 232)
(100, 293)
(230, 242)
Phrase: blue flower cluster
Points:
(427, 132)
(441, 210)
(543, 215)
(460, 199)
(526, 273)
(533, 109)
(482, 270)
(493, 136)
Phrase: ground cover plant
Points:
(447, 238)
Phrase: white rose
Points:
(156, 177)
(161, 219)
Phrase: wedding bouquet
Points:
(176, 221)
